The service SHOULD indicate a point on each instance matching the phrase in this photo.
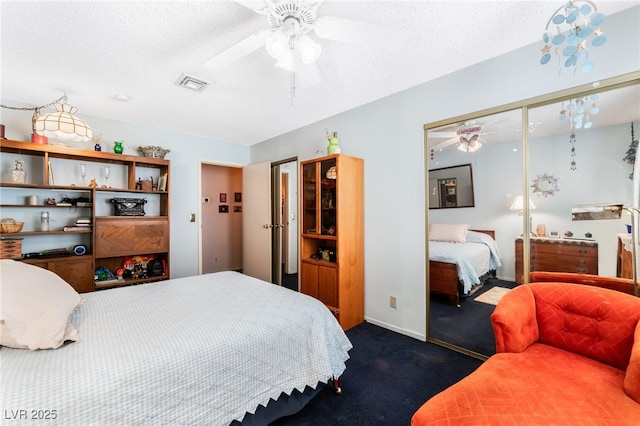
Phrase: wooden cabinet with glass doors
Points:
(332, 235)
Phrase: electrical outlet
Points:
(393, 302)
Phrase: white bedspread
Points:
(474, 258)
(199, 350)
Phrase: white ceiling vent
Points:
(192, 83)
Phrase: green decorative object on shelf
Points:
(334, 143)
(117, 147)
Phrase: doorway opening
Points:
(284, 191)
(230, 202)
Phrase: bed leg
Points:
(455, 300)
(336, 385)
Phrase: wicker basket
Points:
(153, 151)
(10, 226)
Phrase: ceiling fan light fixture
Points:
(309, 49)
(277, 45)
(471, 147)
(471, 144)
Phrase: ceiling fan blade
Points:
(439, 146)
(257, 6)
(357, 32)
(440, 135)
(237, 51)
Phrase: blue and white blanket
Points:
(199, 350)
(474, 258)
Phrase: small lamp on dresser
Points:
(518, 204)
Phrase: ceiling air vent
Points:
(192, 83)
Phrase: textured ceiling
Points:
(94, 50)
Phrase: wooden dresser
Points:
(558, 255)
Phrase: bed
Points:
(460, 260)
(213, 349)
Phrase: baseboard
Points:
(395, 329)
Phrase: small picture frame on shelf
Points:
(554, 234)
(223, 197)
(162, 182)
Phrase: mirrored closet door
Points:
(534, 164)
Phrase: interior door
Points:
(256, 223)
(277, 225)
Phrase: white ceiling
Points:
(94, 50)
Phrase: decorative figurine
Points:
(334, 147)
(97, 139)
(18, 175)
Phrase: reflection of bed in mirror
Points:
(459, 266)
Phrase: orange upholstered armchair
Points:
(566, 354)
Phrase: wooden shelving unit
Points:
(331, 235)
(141, 239)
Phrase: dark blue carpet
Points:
(468, 326)
(388, 377)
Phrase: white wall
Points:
(186, 155)
(388, 135)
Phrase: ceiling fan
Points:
(466, 137)
(287, 37)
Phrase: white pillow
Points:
(455, 233)
(35, 305)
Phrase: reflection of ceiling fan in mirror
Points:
(287, 40)
(466, 137)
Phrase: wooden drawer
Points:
(558, 256)
(563, 249)
(128, 236)
(11, 248)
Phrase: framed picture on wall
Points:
(223, 197)
(237, 197)
(223, 208)
(237, 209)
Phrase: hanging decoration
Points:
(630, 156)
(568, 33)
(572, 142)
(578, 112)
